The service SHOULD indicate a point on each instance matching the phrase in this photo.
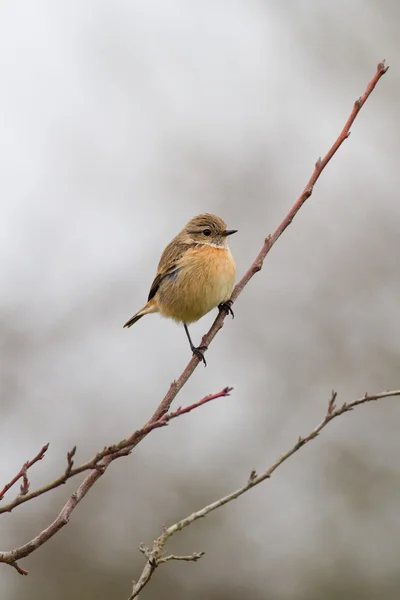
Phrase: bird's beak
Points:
(230, 231)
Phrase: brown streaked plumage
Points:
(195, 274)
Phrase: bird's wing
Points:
(169, 264)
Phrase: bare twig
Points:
(155, 557)
(70, 461)
(22, 473)
(122, 449)
(183, 411)
(18, 568)
(320, 165)
(24, 487)
(103, 459)
(189, 558)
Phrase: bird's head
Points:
(209, 230)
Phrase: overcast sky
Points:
(120, 121)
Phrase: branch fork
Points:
(161, 417)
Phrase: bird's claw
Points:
(227, 307)
(199, 352)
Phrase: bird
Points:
(196, 273)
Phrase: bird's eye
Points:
(207, 232)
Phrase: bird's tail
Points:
(146, 310)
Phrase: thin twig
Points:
(18, 568)
(155, 557)
(103, 459)
(122, 449)
(189, 558)
(117, 450)
(22, 473)
(256, 266)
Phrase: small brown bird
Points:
(195, 274)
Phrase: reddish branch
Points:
(22, 474)
(122, 449)
(104, 458)
(320, 165)
(183, 411)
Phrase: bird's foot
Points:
(227, 307)
(199, 352)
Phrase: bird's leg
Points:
(227, 307)
(199, 351)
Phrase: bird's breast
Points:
(205, 278)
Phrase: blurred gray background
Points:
(120, 121)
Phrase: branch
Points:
(22, 473)
(103, 459)
(122, 449)
(320, 165)
(189, 558)
(155, 557)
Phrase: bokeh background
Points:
(120, 121)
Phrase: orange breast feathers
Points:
(205, 278)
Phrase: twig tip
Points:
(382, 67)
(227, 390)
(252, 476)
